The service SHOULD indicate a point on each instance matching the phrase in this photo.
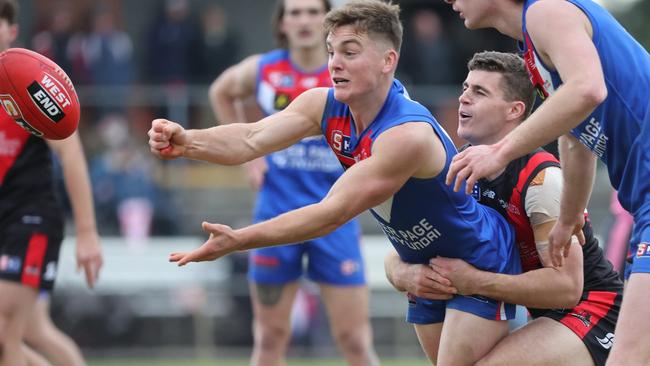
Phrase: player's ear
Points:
(517, 110)
(390, 60)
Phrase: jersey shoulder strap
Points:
(538, 160)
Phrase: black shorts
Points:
(29, 248)
(593, 320)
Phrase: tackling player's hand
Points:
(222, 241)
(89, 256)
(422, 281)
(463, 276)
(472, 164)
(561, 237)
(167, 139)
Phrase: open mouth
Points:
(340, 81)
(462, 116)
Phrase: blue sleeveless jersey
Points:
(425, 218)
(303, 173)
(615, 131)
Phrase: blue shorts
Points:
(334, 259)
(640, 245)
(424, 311)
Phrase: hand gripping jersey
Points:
(613, 131)
(425, 218)
(303, 173)
(618, 130)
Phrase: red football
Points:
(38, 94)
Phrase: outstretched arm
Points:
(77, 184)
(397, 154)
(562, 36)
(237, 143)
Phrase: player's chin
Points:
(342, 96)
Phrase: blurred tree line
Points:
(635, 20)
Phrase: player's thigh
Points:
(16, 304)
(429, 337)
(272, 303)
(39, 319)
(466, 337)
(347, 306)
(543, 341)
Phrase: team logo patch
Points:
(341, 143)
(50, 271)
(349, 267)
(642, 249)
(584, 317)
(12, 109)
(281, 101)
(10, 264)
(607, 341)
(281, 80)
(309, 82)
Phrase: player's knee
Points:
(353, 341)
(491, 359)
(271, 337)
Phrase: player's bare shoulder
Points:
(418, 144)
(310, 104)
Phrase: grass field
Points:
(244, 362)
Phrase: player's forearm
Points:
(225, 145)
(295, 226)
(395, 269)
(77, 184)
(226, 108)
(578, 171)
(544, 288)
(560, 113)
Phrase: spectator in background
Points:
(427, 56)
(173, 45)
(123, 183)
(108, 54)
(220, 46)
(62, 42)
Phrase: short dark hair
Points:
(371, 16)
(278, 15)
(9, 11)
(515, 84)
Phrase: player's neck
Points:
(507, 20)
(366, 107)
(309, 59)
